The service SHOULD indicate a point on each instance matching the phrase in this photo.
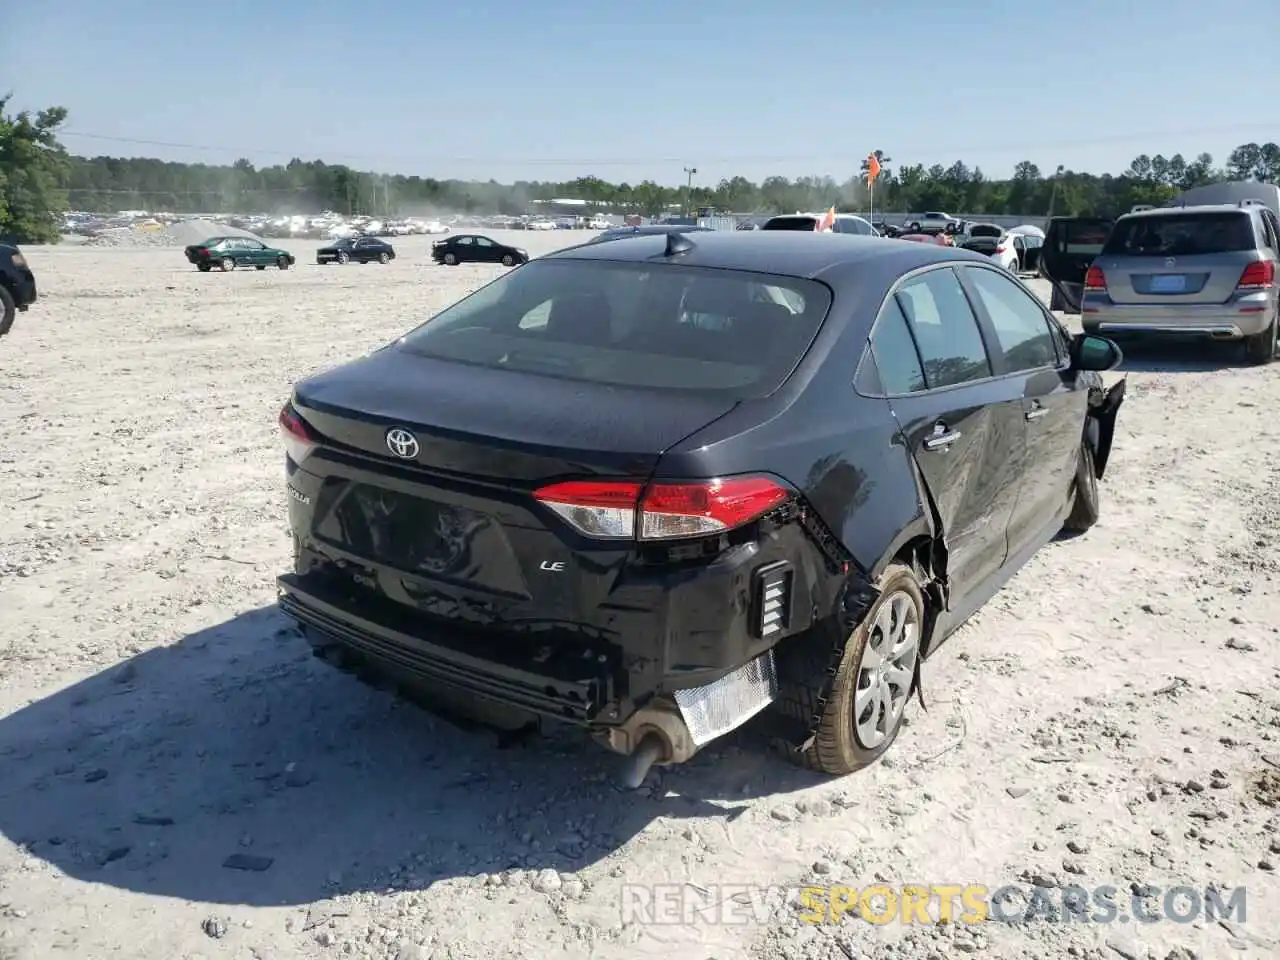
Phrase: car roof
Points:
(1178, 211)
(786, 253)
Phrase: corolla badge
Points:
(402, 443)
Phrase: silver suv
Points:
(1197, 270)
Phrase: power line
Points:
(984, 148)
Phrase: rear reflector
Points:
(1258, 276)
(1095, 279)
(663, 511)
(772, 595)
(299, 439)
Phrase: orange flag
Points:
(873, 168)
(827, 222)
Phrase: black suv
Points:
(656, 486)
(17, 285)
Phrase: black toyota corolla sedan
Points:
(654, 488)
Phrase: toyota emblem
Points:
(402, 443)
(1169, 262)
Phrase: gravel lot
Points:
(1111, 718)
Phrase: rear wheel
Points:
(508, 260)
(384, 258)
(8, 310)
(1085, 504)
(1263, 347)
(226, 265)
(863, 715)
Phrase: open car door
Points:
(1071, 244)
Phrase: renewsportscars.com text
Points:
(731, 904)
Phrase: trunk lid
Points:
(449, 527)
(1071, 244)
(1177, 258)
(502, 425)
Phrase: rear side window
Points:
(1020, 325)
(1181, 235)
(895, 354)
(659, 326)
(945, 329)
(791, 223)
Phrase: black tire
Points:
(384, 258)
(451, 259)
(913, 227)
(508, 260)
(8, 310)
(204, 267)
(226, 264)
(343, 257)
(838, 749)
(1085, 502)
(1263, 347)
(260, 266)
(283, 263)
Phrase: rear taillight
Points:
(299, 439)
(1258, 276)
(1095, 279)
(662, 511)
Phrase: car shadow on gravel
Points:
(1178, 355)
(233, 767)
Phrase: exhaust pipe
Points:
(654, 734)
(650, 750)
(671, 729)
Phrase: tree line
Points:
(39, 180)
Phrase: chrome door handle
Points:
(940, 441)
(1036, 413)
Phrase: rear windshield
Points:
(791, 223)
(659, 326)
(1181, 234)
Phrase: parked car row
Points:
(230, 253)
(633, 487)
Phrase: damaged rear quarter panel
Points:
(839, 449)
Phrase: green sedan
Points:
(227, 253)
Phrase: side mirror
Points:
(1089, 352)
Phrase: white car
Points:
(540, 225)
(434, 226)
(1007, 253)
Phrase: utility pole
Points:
(1053, 196)
(688, 190)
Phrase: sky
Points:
(628, 91)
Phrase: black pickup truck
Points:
(17, 285)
